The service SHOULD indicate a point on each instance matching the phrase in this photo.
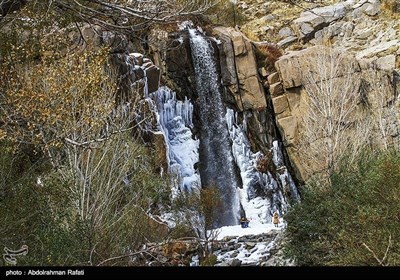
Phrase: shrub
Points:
(209, 260)
(47, 216)
(267, 55)
(353, 221)
(392, 6)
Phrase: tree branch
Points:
(386, 252)
(98, 140)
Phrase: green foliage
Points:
(48, 216)
(31, 214)
(355, 221)
(181, 230)
(209, 260)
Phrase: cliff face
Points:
(373, 88)
(359, 39)
(243, 89)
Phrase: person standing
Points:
(244, 222)
(275, 219)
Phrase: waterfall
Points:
(220, 155)
(217, 166)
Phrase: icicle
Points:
(146, 86)
(182, 150)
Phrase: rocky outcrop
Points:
(239, 69)
(369, 39)
(172, 53)
(291, 98)
(253, 250)
(241, 78)
(359, 30)
(239, 75)
(366, 28)
(263, 249)
(310, 22)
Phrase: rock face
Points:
(369, 39)
(243, 92)
(132, 68)
(310, 22)
(291, 101)
(362, 31)
(239, 69)
(136, 75)
(243, 83)
(249, 117)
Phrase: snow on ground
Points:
(255, 227)
(251, 246)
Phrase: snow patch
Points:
(255, 228)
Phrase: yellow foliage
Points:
(48, 101)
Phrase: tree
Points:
(57, 102)
(334, 125)
(59, 105)
(195, 214)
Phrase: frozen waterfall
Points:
(175, 120)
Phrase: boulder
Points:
(287, 41)
(276, 89)
(285, 32)
(369, 7)
(387, 63)
(310, 22)
(273, 78)
(235, 262)
(382, 47)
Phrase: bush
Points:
(32, 214)
(354, 221)
(266, 56)
(209, 260)
(392, 6)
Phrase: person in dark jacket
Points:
(244, 222)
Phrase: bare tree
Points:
(121, 14)
(334, 125)
(380, 100)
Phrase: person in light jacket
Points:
(275, 219)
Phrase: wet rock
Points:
(236, 262)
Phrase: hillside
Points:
(150, 133)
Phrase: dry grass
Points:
(283, 13)
(391, 8)
(267, 55)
